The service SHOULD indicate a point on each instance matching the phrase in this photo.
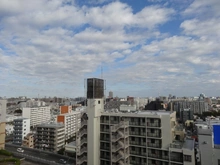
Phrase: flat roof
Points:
(189, 144)
(51, 125)
(137, 113)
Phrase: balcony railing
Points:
(156, 155)
(158, 135)
(153, 124)
(154, 145)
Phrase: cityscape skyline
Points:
(141, 48)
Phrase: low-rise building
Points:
(50, 137)
(28, 140)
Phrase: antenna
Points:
(101, 73)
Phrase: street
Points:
(39, 154)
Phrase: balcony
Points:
(154, 145)
(157, 135)
(155, 155)
(157, 125)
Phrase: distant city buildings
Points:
(110, 94)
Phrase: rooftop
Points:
(51, 125)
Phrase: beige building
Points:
(28, 141)
(126, 138)
(50, 137)
(3, 104)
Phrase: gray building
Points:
(21, 129)
(208, 150)
(50, 137)
(139, 138)
(185, 114)
(196, 106)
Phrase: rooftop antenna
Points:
(101, 73)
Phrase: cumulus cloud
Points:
(51, 46)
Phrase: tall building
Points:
(71, 121)
(137, 138)
(110, 94)
(37, 115)
(2, 123)
(50, 137)
(21, 129)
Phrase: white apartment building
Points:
(71, 121)
(21, 129)
(37, 115)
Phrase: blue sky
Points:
(144, 47)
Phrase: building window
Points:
(218, 161)
(187, 158)
(99, 102)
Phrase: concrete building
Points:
(28, 140)
(37, 115)
(209, 143)
(185, 114)
(139, 138)
(50, 137)
(196, 106)
(2, 123)
(110, 94)
(21, 129)
(71, 122)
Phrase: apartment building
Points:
(28, 140)
(21, 129)
(37, 115)
(126, 138)
(208, 143)
(71, 122)
(196, 106)
(50, 137)
(2, 123)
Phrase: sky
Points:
(140, 47)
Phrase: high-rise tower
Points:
(95, 105)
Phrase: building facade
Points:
(21, 129)
(37, 115)
(71, 122)
(50, 137)
(139, 138)
(196, 106)
(2, 123)
(28, 140)
(208, 143)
